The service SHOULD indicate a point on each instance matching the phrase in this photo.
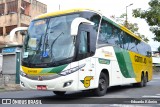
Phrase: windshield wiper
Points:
(46, 44)
(37, 49)
(52, 56)
(39, 44)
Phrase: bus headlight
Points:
(69, 71)
(23, 74)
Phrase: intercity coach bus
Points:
(81, 49)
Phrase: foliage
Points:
(152, 17)
(133, 27)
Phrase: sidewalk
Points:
(10, 87)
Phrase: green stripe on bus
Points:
(57, 69)
(103, 61)
(112, 22)
(124, 62)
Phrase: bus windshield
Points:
(48, 41)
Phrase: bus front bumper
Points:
(63, 83)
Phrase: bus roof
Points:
(82, 9)
(63, 12)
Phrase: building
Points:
(16, 13)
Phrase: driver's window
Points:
(83, 48)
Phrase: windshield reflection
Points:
(49, 40)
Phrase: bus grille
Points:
(46, 77)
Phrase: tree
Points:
(152, 17)
(158, 49)
(133, 27)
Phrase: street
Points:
(151, 91)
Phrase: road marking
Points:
(156, 78)
(148, 96)
(126, 105)
(154, 81)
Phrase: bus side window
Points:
(106, 33)
(116, 33)
(83, 45)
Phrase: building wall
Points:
(15, 13)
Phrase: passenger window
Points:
(83, 47)
(116, 34)
(106, 33)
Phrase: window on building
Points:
(1, 31)
(12, 7)
(9, 28)
(24, 25)
(2, 9)
(8, 0)
(25, 9)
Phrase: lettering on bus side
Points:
(140, 59)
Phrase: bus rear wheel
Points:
(143, 82)
(102, 86)
(59, 93)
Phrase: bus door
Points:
(87, 72)
(116, 74)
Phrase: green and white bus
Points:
(81, 49)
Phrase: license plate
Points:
(41, 87)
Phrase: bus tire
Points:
(143, 81)
(102, 86)
(59, 93)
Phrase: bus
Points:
(81, 49)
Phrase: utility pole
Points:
(5, 13)
(18, 37)
(59, 7)
(126, 22)
(19, 13)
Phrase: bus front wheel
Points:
(102, 86)
(59, 93)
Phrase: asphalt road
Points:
(114, 94)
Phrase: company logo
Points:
(104, 61)
(87, 81)
(107, 53)
(40, 78)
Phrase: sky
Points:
(109, 8)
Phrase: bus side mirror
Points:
(12, 33)
(76, 22)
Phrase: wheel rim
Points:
(102, 84)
